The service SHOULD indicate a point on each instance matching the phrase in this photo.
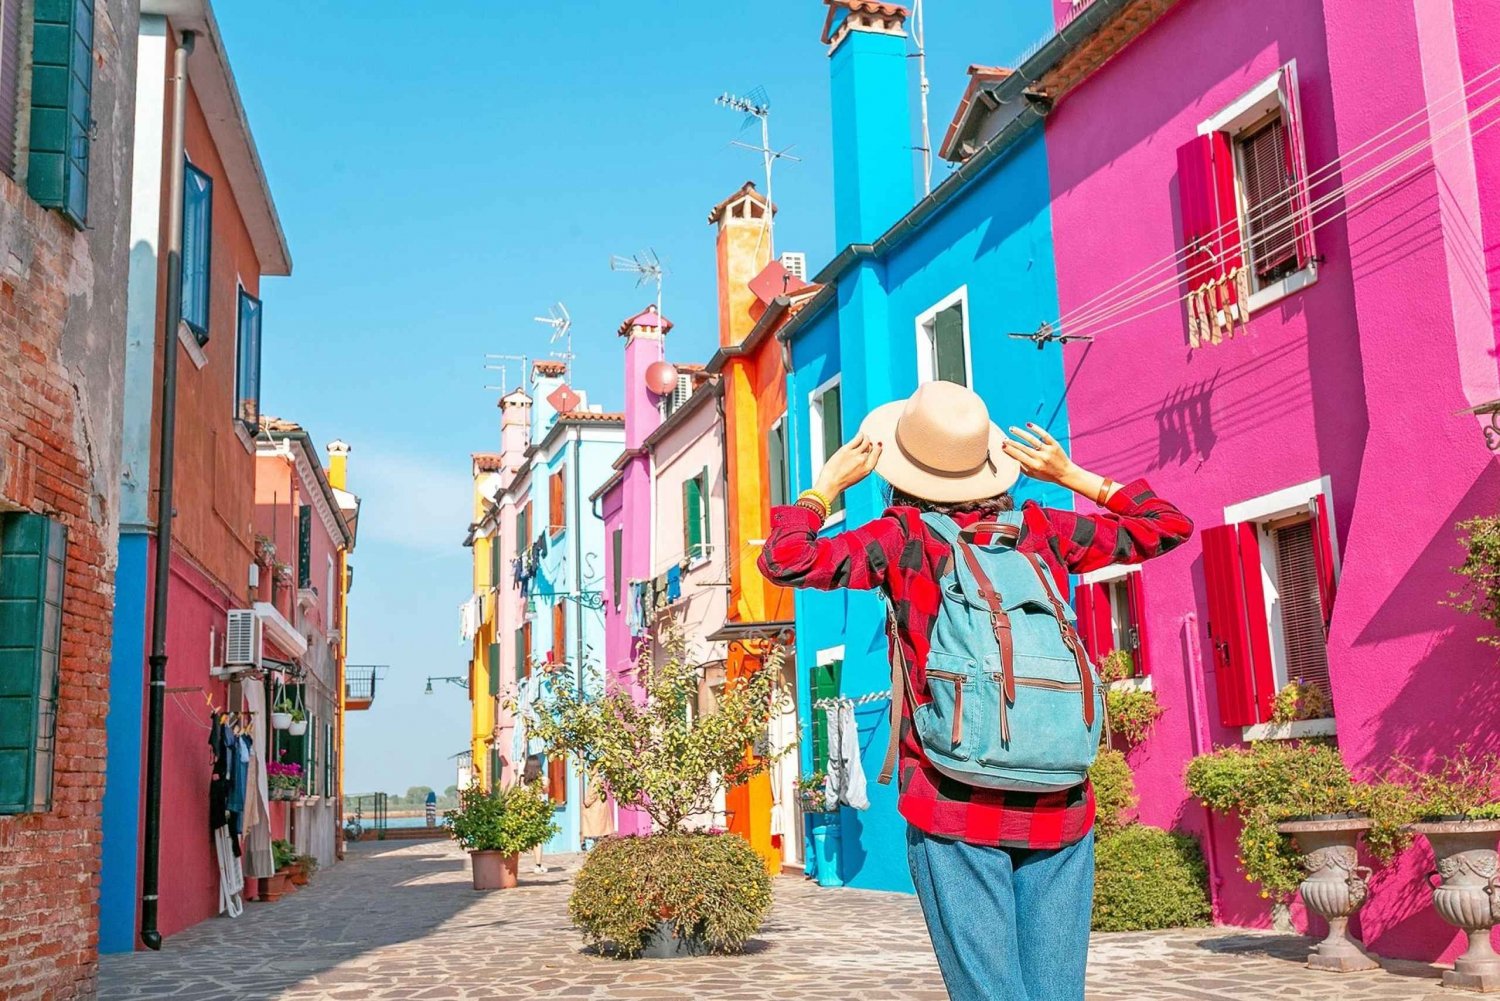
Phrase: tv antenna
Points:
(562, 330)
(498, 363)
(923, 87)
(646, 266)
(757, 107)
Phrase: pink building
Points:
(1289, 319)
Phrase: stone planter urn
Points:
(494, 870)
(1334, 887)
(1468, 895)
(665, 943)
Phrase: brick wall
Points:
(62, 319)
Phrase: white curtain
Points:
(257, 857)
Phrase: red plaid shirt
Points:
(897, 552)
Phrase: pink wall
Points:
(1356, 378)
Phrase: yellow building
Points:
(479, 622)
(357, 689)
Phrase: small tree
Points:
(1479, 594)
(660, 756)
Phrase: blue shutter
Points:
(32, 561)
(62, 75)
(247, 365)
(197, 246)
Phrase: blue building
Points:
(920, 291)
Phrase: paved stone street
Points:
(401, 921)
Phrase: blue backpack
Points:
(1015, 702)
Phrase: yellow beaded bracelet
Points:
(817, 498)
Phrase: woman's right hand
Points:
(846, 467)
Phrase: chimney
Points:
(546, 376)
(743, 246)
(645, 344)
(872, 139)
(338, 464)
(515, 429)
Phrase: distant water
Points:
(401, 821)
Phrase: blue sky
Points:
(441, 181)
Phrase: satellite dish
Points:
(661, 377)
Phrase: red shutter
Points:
(1210, 232)
(1237, 633)
(1296, 164)
(1091, 602)
(1322, 539)
(1135, 594)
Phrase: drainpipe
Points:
(578, 585)
(151, 868)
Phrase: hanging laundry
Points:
(674, 584)
(846, 773)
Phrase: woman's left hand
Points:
(1039, 454)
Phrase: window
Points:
(557, 515)
(1246, 211)
(617, 558)
(559, 633)
(247, 363)
(493, 667)
(492, 544)
(523, 528)
(1271, 578)
(1111, 615)
(330, 765)
(197, 244)
(827, 427)
(943, 341)
(679, 395)
(304, 546)
(523, 651)
(10, 61)
(695, 502)
(776, 467)
(33, 557)
(330, 597)
(62, 78)
(824, 684)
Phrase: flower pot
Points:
(297, 727)
(1334, 888)
(494, 870)
(826, 840)
(1468, 896)
(273, 887)
(665, 943)
(297, 873)
(280, 721)
(283, 794)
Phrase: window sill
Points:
(189, 340)
(837, 518)
(1130, 685)
(244, 436)
(1291, 731)
(1290, 285)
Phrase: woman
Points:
(1005, 878)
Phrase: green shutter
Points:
(776, 463)
(310, 744)
(948, 344)
(32, 562)
(328, 767)
(705, 496)
(825, 685)
(617, 546)
(495, 560)
(247, 365)
(61, 116)
(494, 664)
(494, 775)
(833, 429)
(692, 519)
(304, 546)
(521, 670)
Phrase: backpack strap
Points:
(1000, 623)
(1073, 643)
(900, 693)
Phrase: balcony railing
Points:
(359, 685)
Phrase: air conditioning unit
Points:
(242, 646)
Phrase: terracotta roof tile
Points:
(486, 462)
(277, 425)
(646, 318)
(748, 188)
(549, 368)
(978, 77)
(860, 7)
(592, 416)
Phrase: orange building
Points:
(756, 297)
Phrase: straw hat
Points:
(941, 445)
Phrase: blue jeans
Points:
(1007, 924)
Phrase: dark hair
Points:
(984, 507)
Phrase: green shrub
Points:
(1114, 791)
(710, 886)
(1479, 593)
(1297, 701)
(1146, 878)
(282, 854)
(1117, 665)
(1132, 713)
(512, 821)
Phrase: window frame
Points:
(1246, 114)
(243, 296)
(557, 502)
(200, 331)
(778, 434)
(926, 337)
(816, 436)
(1127, 631)
(696, 553)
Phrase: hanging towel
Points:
(846, 774)
(231, 875)
(258, 860)
(674, 584)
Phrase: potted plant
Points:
(281, 713)
(278, 884)
(283, 779)
(1131, 713)
(298, 726)
(810, 792)
(265, 551)
(495, 828)
(1458, 806)
(677, 891)
(302, 868)
(1298, 701)
(1302, 815)
(1117, 665)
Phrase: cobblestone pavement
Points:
(401, 921)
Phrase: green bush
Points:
(713, 887)
(1146, 878)
(1114, 791)
(282, 854)
(512, 821)
(1132, 713)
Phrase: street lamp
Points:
(452, 679)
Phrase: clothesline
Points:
(863, 700)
